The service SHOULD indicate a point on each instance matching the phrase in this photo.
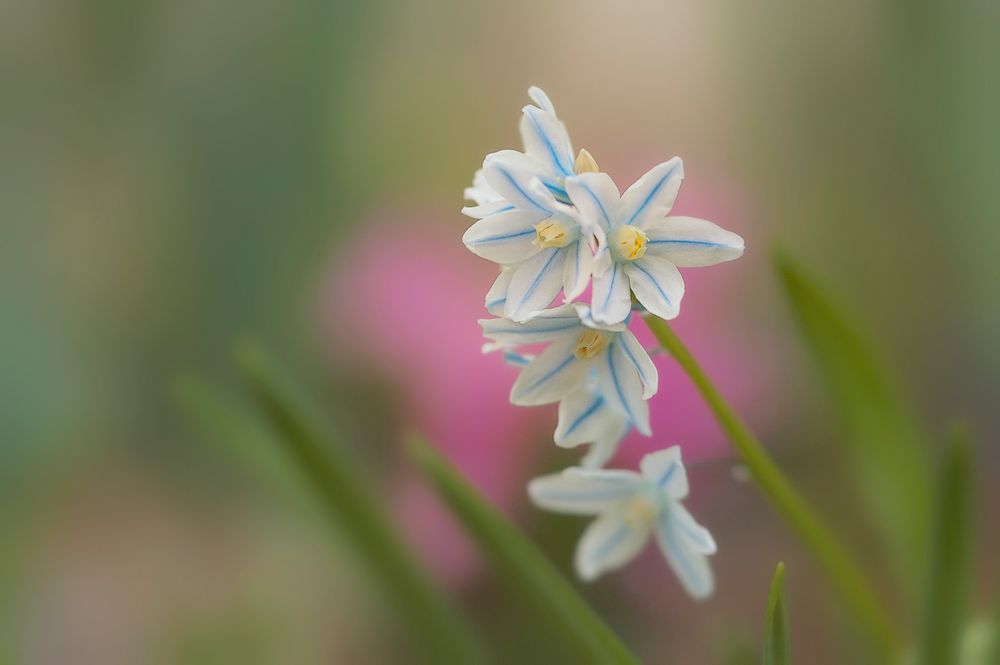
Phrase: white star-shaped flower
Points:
(579, 350)
(585, 417)
(641, 247)
(631, 507)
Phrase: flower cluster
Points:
(553, 222)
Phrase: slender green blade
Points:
(776, 621)
(440, 632)
(887, 450)
(545, 597)
(945, 611)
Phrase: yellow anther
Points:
(628, 243)
(585, 163)
(590, 343)
(550, 233)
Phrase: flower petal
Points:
(541, 99)
(576, 269)
(643, 364)
(652, 196)
(619, 382)
(584, 417)
(596, 197)
(487, 209)
(657, 284)
(665, 470)
(548, 326)
(694, 535)
(546, 139)
(690, 566)
(535, 284)
(481, 192)
(610, 300)
(583, 492)
(608, 543)
(497, 295)
(511, 174)
(604, 448)
(505, 238)
(689, 242)
(554, 374)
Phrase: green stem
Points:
(835, 560)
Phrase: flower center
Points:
(551, 233)
(640, 512)
(628, 243)
(591, 343)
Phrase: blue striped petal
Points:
(657, 284)
(609, 542)
(596, 197)
(513, 175)
(690, 566)
(689, 242)
(619, 382)
(582, 492)
(652, 196)
(665, 470)
(545, 138)
(535, 284)
(554, 374)
(642, 363)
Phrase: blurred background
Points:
(177, 175)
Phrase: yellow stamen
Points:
(628, 242)
(590, 343)
(550, 233)
(585, 163)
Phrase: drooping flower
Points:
(641, 246)
(585, 417)
(631, 507)
(579, 350)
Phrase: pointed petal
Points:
(608, 543)
(554, 374)
(541, 99)
(576, 270)
(619, 382)
(596, 197)
(611, 301)
(643, 364)
(497, 295)
(584, 417)
(548, 326)
(665, 470)
(505, 238)
(652, 196)
(691, 567)
(546, 139)
(693, 535)
(487, 209)
(534, 285)
(511, 174)
(481, 192)
(604, 449)
(657, 284)
(581, 492)
(689, 242)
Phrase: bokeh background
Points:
(177, 175)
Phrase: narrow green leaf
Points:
(945, 611)
(887, 450)
(439, 631)
(776, 621)
(836, 561)
(545, 597)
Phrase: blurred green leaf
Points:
(546, 598)
(438, 630)
(887, 451)
(776, 621)
(945, 604)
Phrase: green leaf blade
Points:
(547, 598)
(440, 633)
(887, 449)
(776, 647)
(945, 611)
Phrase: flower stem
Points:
(835, 560)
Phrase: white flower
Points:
(641, 248)
(579, 350)
(585, 417)
(631, 507)
(481, 192)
